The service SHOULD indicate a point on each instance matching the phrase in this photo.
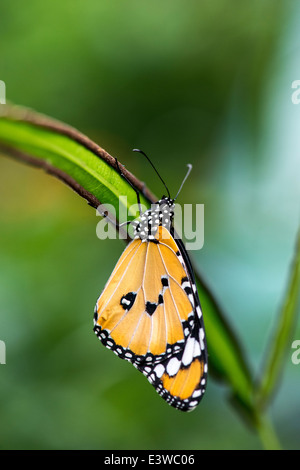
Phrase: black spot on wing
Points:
(151, 307)
(127, 300)
(188, 290)
(95, 314)
(185, 284)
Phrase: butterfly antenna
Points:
(143, 153)
(184, 180)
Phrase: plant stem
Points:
(267, 433)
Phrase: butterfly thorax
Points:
(161, 213)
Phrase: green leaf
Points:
(282, 335)
(58, 152)
(225, 352)
(76, 160)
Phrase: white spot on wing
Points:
(191, 299)
(188, 351)
(159, 370)
(198, 310)
(173, 366)
(193, 403)
(197, 351)
(185, 284)
(201, 337)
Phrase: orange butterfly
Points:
(149, 311)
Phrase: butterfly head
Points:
(166, 207)
(161, 213)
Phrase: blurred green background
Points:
(204, 82)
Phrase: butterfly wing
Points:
(149, 313)
(181, 378)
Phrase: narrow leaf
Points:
(280, 343)
(225, 352)
(68, 155)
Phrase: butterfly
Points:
(149, 312)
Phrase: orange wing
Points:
(149, 314)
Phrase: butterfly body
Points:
(149, 311)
